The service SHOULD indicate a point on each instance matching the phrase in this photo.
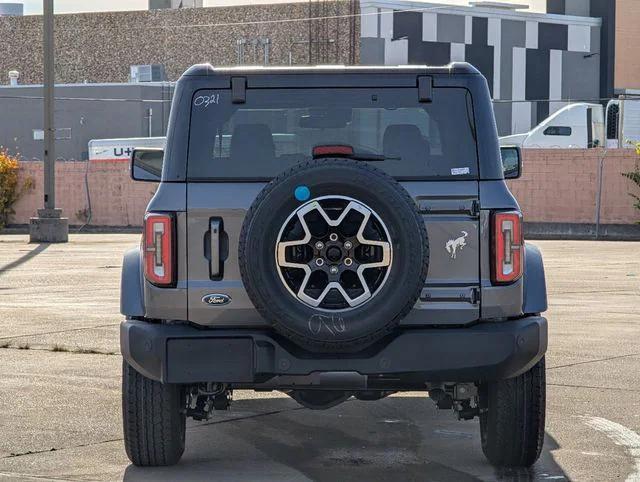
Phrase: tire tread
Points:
(153, 420)
(513, 426)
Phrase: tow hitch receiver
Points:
(462, 398)
(204, 398)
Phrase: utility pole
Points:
(49, 226)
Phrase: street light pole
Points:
(49, 226)
(49, 121)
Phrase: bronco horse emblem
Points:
(453, 245)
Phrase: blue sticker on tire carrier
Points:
(302, 193)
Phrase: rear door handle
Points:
(215, 227)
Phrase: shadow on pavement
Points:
(23, 259)
(399, 438)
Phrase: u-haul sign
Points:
(114, 150)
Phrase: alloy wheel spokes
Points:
(334, 254)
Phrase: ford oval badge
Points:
(216, 299)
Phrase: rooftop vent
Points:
(147, 73)
(14, 75)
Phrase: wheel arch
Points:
(131, 285)
(535, 286)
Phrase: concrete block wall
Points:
(116, 200)
(561, 185)
(558, 186)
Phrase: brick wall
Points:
(558, 186)
(116, 200)
(100, 47)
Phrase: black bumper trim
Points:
(186, 354)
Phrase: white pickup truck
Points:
(583, 125)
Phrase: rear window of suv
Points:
(277, 128)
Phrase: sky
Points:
(32, 7)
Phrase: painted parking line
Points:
(622, 436)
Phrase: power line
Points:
(294, 20)
(255, 22)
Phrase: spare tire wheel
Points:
(333, 253)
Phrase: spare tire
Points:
(333, 253)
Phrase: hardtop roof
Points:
(454, 68)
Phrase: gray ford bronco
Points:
(332, 232)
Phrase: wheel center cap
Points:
(334, 254)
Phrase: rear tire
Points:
(513, 418)
(154, 419)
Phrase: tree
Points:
(634, 176)
(10, 187)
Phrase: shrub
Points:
(634, 176)
(10, 187)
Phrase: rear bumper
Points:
(186, 354)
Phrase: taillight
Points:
(159, 245)
(508, 247)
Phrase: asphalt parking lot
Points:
(60, 386)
